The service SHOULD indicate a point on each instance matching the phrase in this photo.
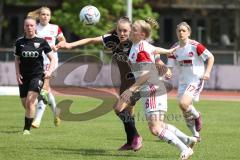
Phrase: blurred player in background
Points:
(29, 51)
(189, 57)
(153, 92)
(52, 33)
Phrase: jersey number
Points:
(191, 88)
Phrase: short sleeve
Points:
(205, 55)
(59, 32)
(110, 41)
(16, 47)
(46, 48)
(200, 49)
(143, 57)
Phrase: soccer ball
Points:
(89, 15)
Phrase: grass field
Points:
(99, 138)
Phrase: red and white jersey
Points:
(189, 60)
(153, 93)
(142, 52)
(50, 33)
(141, 57)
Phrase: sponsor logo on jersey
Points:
(30, 54)
(36, 45)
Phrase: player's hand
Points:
(61, 44)
(19, 78)
(206, 76)
(64, 44)
(126, 95)
(171, 51)
(55, 48)
(162, 69)
(47, 74)
(168, 74)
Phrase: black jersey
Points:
(31, 53)
(120, 53)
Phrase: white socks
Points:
(189, 116)
(191, 109)
(182, 136)
(39, 113)
(41, 108)
(52, 103)
(169, 137)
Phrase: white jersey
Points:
(153, 93)
(190, 61)
(50, 33)
(142, 57)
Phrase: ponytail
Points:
(34, 14)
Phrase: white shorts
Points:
(154, 104)
(46, 64)
(46, 61)
(193, 90)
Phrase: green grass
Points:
(98, 139)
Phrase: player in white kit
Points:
(51, 33)
(153, 92)
(189, 58)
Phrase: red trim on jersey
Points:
(187, 61)
(162, 134)
(59, 30)
(200, 49)
(152, 96)
(172, 56)
(48, 38)
(143, 57)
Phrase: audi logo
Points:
(30, 54)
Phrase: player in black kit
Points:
(118, 42)
(29, 52)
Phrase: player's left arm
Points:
(161, 66)
(210, 63)
(160, 50)
(206, 55)
(53, 62)
(60, 39)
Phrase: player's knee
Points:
(183, 105)
(125, 116)
(120, 106)
(154, 130)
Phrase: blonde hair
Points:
(147, 25)
(184, 24)
(36, 13)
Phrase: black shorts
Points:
(31, 84)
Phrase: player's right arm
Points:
(81, 42)
(18, 74)
(17, 62)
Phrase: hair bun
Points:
(152, 22)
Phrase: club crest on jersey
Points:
(190, 54)
(40, 83)
(36, 45)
